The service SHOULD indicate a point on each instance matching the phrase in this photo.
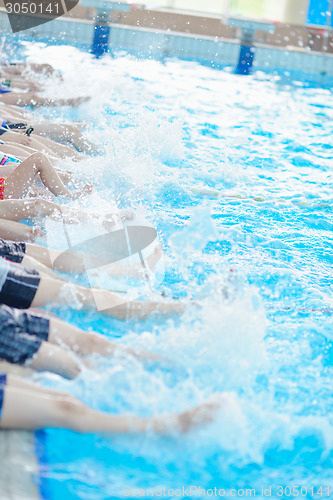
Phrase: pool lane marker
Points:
(301, 310)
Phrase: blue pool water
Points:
(233, 172)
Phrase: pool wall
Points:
(152, 42)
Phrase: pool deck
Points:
(19, 464)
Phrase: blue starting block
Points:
(247, 49)
(100, 42)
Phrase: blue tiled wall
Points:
(149, 42)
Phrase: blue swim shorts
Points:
(20, 286)
(3, 381)
(21, 335)
(13, 251)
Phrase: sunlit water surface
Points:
(180, 139)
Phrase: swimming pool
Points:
(233, 172)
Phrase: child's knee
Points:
(37, 158)
(70, 130)
(89, 343)
(72, 369)
(70, 411)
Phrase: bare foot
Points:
(110, 220)
(170, 307)
(141, 354)
(127, 214)
(189, 419)
(36, 233)
(40, 192)
(154, 257)
(144, 271)
(86, 190)
(202, 414)
(79, 100)
(71, 101)
(78, 156)
(81, 124)
(95, 150)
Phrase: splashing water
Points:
(236, 175)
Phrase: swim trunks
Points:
(4, 158)
(12, 251)
(20, 286)
(4, 89)
(3, 381)
(13, 126)
(4, 269)
(22, 334)
(2, 186)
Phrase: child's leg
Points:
(33, 408)
(84, 343)
(33, 99)
(17, 98)
(68, 263)
(24, 140)
(67, 133)
(16, 150)
(75, 262)
(24, 383)
(32, 263)
(53, 358)
(15, 231)
(15, 210)
(9, 112)
(51, 290)
(28, 406)
(24, 176)
(59, 149)
(27, 150)
(24, 341)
